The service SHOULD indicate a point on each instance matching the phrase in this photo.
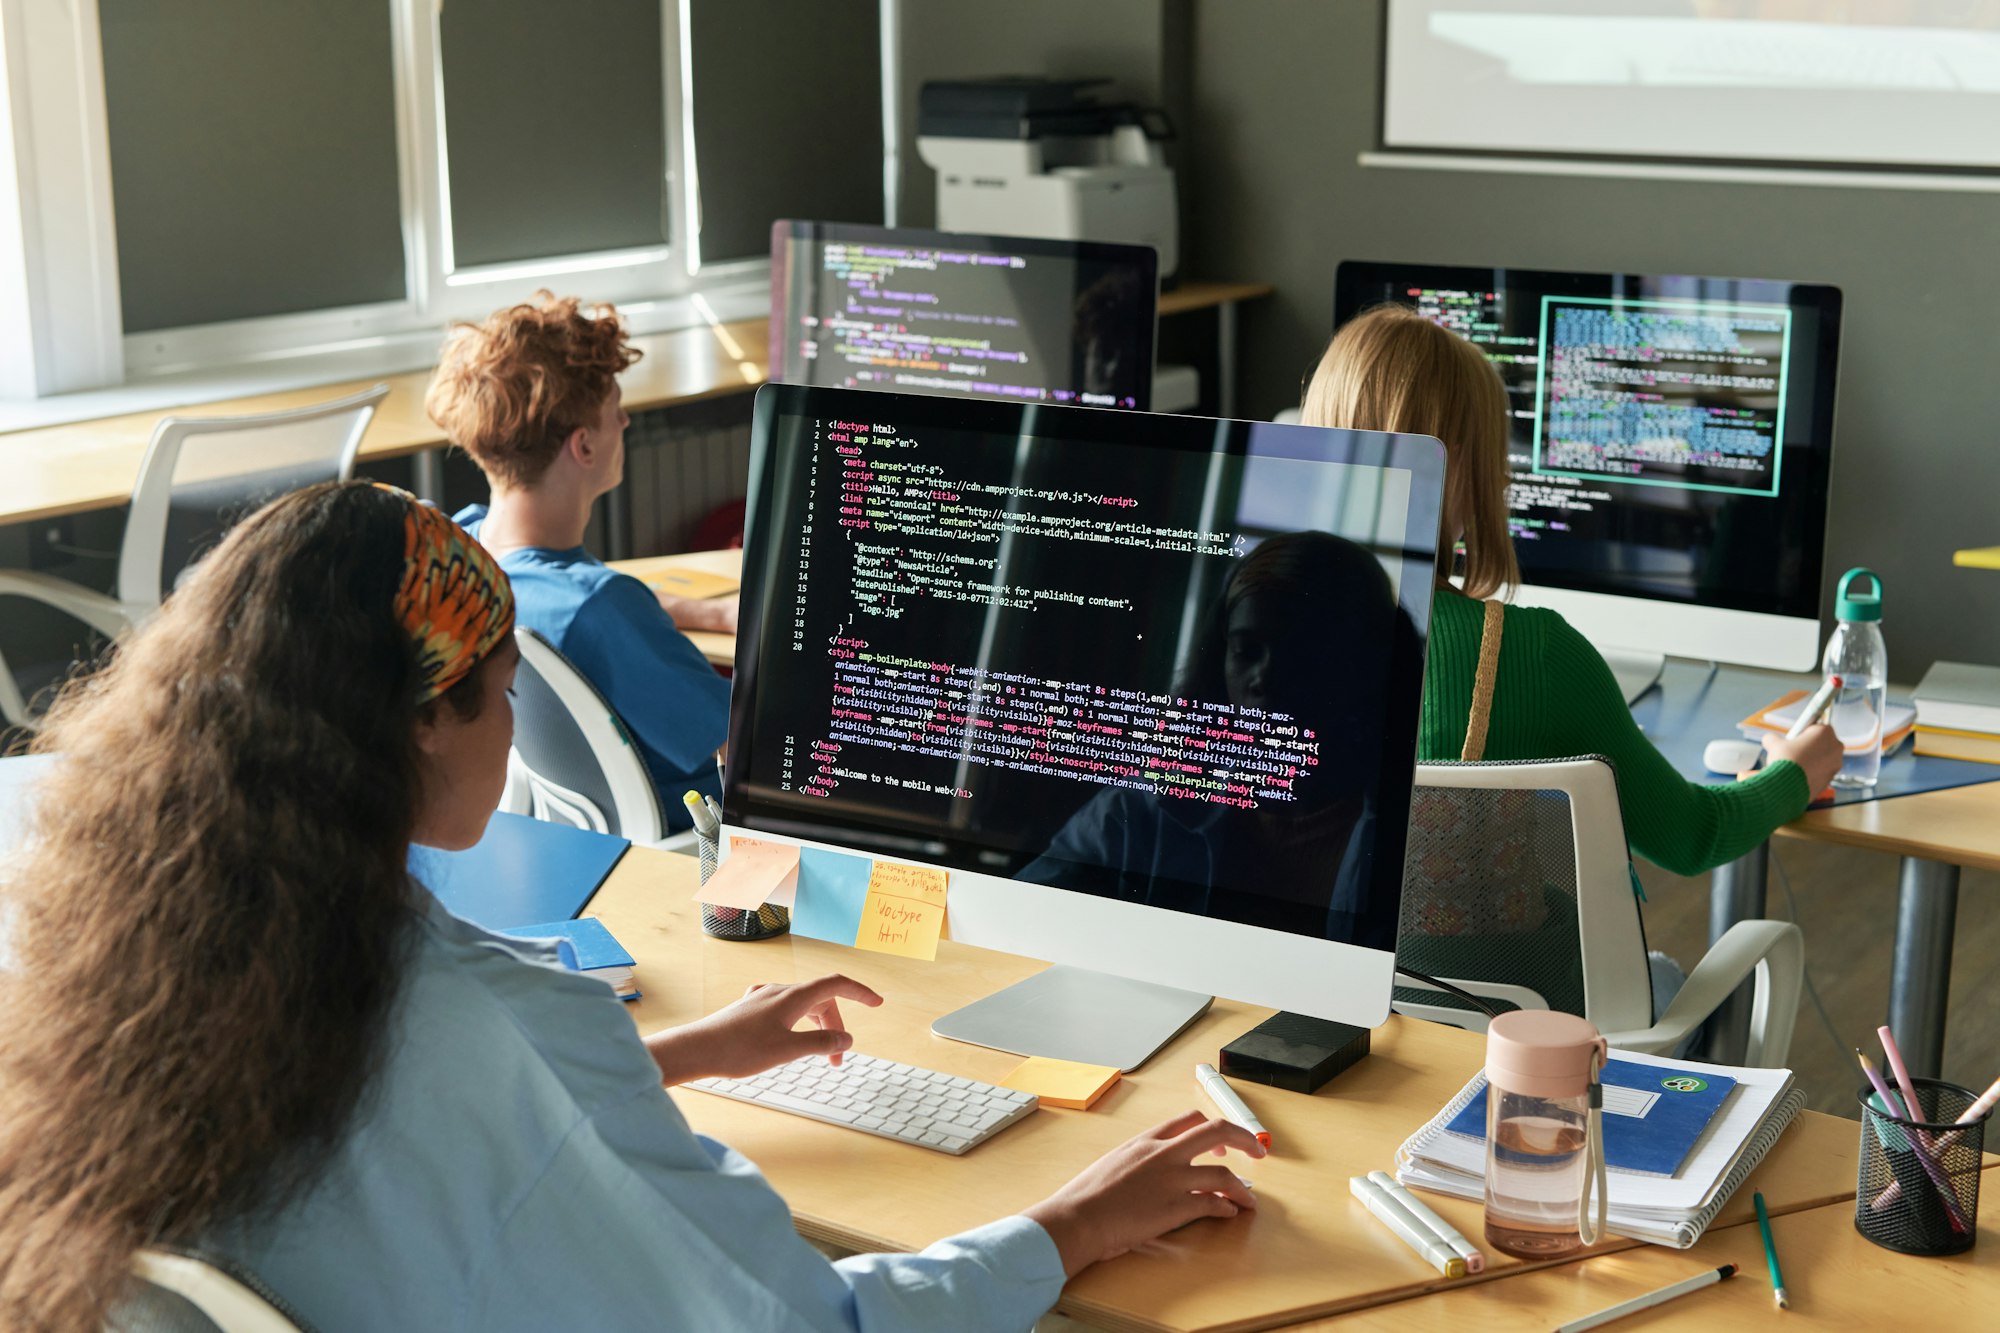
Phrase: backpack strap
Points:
(1482, 682)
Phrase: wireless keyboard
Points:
(901, 1102)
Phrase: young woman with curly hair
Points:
(234, 1022)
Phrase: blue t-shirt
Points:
(611, 627)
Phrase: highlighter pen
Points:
(706, 824)
(1815, 709)
(1392, 1215)
(1232, 1107)
(1475, 1262)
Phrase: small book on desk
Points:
(1666, 1209)
(587, 946)
(1776, 718)
(1955, 696)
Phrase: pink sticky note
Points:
(756, 872)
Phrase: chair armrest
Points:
(105, 614)
(1774, 951)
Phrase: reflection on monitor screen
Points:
(908, 311)
(1167, 663)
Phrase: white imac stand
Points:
(1637, 634)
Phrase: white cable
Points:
(1845, 1048)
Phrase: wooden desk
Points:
(1308, 1251)
(1833, 1278)
(718, 648)
(88, 465)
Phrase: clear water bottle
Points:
(1544, 1143)
(1855, 654)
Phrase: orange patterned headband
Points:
(455, 602)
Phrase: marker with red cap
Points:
(1233, 1109)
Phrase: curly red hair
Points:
(511, 390)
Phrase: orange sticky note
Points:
(1062, 1082)
(755, 873)
(903, 912)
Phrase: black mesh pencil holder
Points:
(1919, 1184)
(731, 923)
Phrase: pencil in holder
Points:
(732, 923)
(1919, 1183)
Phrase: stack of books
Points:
(1958, 712)
(1679, 1137)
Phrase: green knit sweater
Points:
(1554, 698)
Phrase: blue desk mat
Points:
(524, 872)
(1690, 707)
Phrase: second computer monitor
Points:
(1670, 445)
(905, 311)
(1147, 686)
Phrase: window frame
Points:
(658, 287)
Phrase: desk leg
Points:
(1920, 978)
(428, 475)
(1225, 359)
(1736, 893)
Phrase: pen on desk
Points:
(1650, 1299)
(1770, 1252)
(1399, 1220)
(1232, 1107)
(1475, 1262)
(1815, 709)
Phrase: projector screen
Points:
(1886, 82)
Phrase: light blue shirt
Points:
(612, 629)
(518, 1166)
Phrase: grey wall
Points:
(1286, 94)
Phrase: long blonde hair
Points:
(1391, 369)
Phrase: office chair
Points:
(573, 762)
(1518, 888)
(180, 1292)
(199, 475)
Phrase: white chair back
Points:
(227, 1304)
(577, 763)
(1511, 866)
(201, 474)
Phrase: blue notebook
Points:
(523, 871)
(1652, 1116)
(586, 945)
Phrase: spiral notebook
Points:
(1666, 1209)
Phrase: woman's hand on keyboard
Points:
(1145, 1187)
(760, 1031)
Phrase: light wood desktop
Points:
(89, 465)
(719, 649)
(1833, 1279)
(1309, 1251)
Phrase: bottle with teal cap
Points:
(1855, 653)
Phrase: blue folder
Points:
(522, 872)
(1673, 1108)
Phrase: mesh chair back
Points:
(203, 475)
(1490, 893)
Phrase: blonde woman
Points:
(1553, 696)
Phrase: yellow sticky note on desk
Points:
(684, 582)
(903, 912)
(756, 872)
(1062, 1082)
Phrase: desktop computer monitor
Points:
(1067, 322)
(1145, 686)
(1670, 447)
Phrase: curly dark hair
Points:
(511, 390)
(208, 922)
